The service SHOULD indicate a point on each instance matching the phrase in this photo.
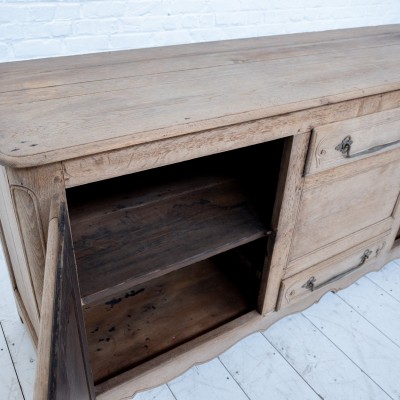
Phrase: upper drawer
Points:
(342, 142)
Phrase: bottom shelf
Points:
(127, 330)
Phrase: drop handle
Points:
(345, 148)
(310, 284)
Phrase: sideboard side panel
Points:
(24, 212)
(14, 247)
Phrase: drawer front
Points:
(324, 276)
(343, 142)
(338, 213)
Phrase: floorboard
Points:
(10, 388)
(362, 342)
(263, 373)
(207, 381)
(320, 363)
(388, 279)
(345, 347)
(376, 305)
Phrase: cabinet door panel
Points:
(340, 213)
(63, 370)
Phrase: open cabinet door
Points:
(63, 370)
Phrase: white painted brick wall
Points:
(35, 29)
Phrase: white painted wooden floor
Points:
(346, 347)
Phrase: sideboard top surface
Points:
(67, 107)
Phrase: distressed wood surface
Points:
(371, 134)
(132, 159)
(131, 97)
(296, 287)
(347, 206)
(135, 244)
(284, 218)
(313, 356)
(62, 366)
(136, 326)
(17, 263)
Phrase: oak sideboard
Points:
(159, 205)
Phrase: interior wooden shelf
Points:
(141, 239)
(135, 326)
(132, 229)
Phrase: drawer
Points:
(342, 142)
(325, 276)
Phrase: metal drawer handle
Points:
(310, 284)
(345, 147)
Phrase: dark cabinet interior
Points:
(168, 254)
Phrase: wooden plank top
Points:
(67, 107)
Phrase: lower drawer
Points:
(324, 276)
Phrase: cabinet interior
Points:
(396, 243)
(169, 254)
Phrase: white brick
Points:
(172, 37)
(206, 20)
(67, 11)
(93, 27)
(14, 32)
(101, 9)
(151, 24)
(36, 28)
(131, 41)
(236, 32)
(224, 5)
(13, 13)
(37, 48)
(4, 52)
(146, 7)
(86, 44)
(207, 35)
(42, 12)
(252, 4)
(256, 17)
(188, 6)
(191, 21)
(230, 19)
(60, 28)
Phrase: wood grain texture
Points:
(72, 118)
(150, 319)
(286, 208)
(173, 363)
(62, 366)
(133, 245)
(30, 191)
(132, 159)
(297, 286)
(372, 134)
(27, 211)
(346, 206)
(15, 249)
(139, 227)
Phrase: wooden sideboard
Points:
(159, 205)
